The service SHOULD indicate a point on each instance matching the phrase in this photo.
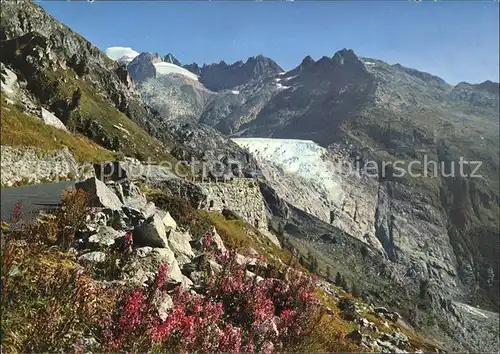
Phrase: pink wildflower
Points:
(207, 240)
(129, 240)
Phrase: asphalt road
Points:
(33, 198)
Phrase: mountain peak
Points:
(345, 56)
(194, 68)
(307, 61)
(142, 66)
(489, 86)
(121, 54)
(169, 58)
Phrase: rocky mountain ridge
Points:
(441, 231)
(361, 110)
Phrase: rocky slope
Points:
(92, 94)
(125, 244)
(382, 112)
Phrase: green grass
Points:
(93, 107)
(21, 130)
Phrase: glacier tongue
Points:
(301, 157)
(317, 181)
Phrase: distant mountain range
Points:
(377, 111)
(293, 129)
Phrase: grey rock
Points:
(388, 347)
(179, 243)
(106, 236)
(50, 119)
(144, 265)
(100, 195)
(197, 277)
(252, 275)
(396, 338)
(168, 221)
(93, 257)
(151, 233)
(163, 303)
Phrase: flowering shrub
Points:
(207, 240)
(50, 303)
(129, 242)
(235, 313)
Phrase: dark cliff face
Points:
(312, 100)
(194, 68)
(222, 76)
(142, 68)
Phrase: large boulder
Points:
(151, 233)
(100, 195)
(168, 220)
(137, 212)
(50, 119)
(135, 205)
(179, 242)
(143, 266)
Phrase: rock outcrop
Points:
(241, 196)
(22, 166)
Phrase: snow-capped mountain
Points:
(121, 54)
(169, 88)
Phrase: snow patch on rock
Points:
(164, 68)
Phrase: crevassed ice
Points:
(294, 156)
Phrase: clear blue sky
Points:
(458, 41)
